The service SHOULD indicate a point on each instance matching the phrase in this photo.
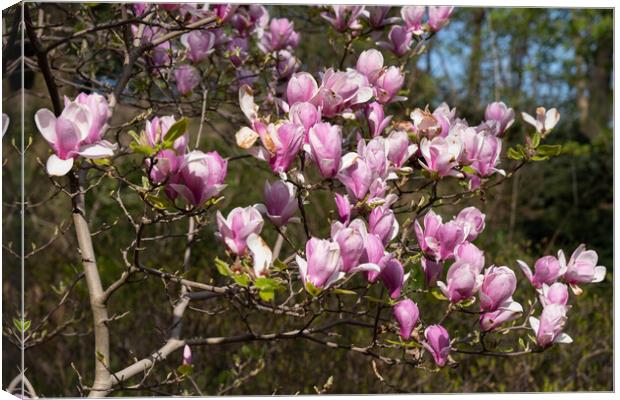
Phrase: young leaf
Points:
(222, 267)
(175, 131)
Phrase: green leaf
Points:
(267, 294)
(222, 267)
(438, 294)
(21, 325)
(344, 291)
(514, 154)
(313, 290)
(521, 343)
(185, 369)
(177, 130)
(536, 140)
(468, 169)
(549, 150)
(241, 279)
(467, 302)
(279, 265)
(141, 148)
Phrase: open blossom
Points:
(351, 240)
(426, 234)
(237, 51)
(441, 155)
(493, 319)
(282, 143)
(323, 264)
(280, 202)
(280, 35)
(388, 83)
(547, 270)
(238, 225)
(400, 39)
(549, 328)
(201, 177)
(462, 282)
(437, 343)
(370, 64)
(325, 142)
(544, 121)
(68, 135)
(437, 239)
(341, 90)
(412, 16)
(287, 65)
(302, 87)
(400, 148)
(500, 114)
(472, 221)
(439, 16)
(345, 17)
(554, 294)
(375, 116)
(406, 314)
(497, 288)
(187, 78)
(581, 267)
(99, 110)
(199, 44)
(165, 168)
(383, 223)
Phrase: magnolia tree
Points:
(345, 131)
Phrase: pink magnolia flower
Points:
(437, 343)
(375, 154)
(301, 88)
(281, 145)
(280, 202)
(400, 148)
(383, 223)
(343, 206)
(224, 11)
(165, 168)
(281, 35)
(500, 114)
(377, 121)
(139, 8)
(355, 175)
(100, 112)
(441, 155)
(187, 355)
(547, 270)
(351, 240)
(370, 64)
(287, 65)
(468, 253)
(432, 270)
(581, 267)
(426, 236)
(237, 51)
(238, 225)
(488, 156)
(161, 54)
(557, 293)
(406, 314)
(491, 320)
(544, 121)
(377, 16)
(549, 328)
(187, 78)
(497, 288)
(68, 135)
(156, 129)
(412, 16)
(439, 16)
(374, 253)
(400, 39)
(201, 177)
(462, 282)
(345, 17)
(341, 90)
(305, 114)
(325, 142)
(393, 277)
(323, 264)
(448, 236)
(199, 44)
(387, 85)
(472, 221)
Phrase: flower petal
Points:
(56, 166)
(46, 123)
